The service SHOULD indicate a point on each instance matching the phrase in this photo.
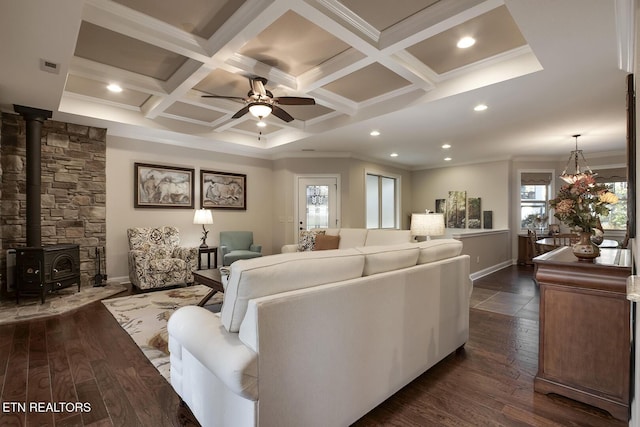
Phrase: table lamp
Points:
(427, 224)
(203, 216)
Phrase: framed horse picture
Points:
(158, 186)
(223, 190)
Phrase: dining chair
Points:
(534, 247)
(565, 239)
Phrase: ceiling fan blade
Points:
(294, 100)
(281, 114)
(241, 112)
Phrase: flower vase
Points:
(585, 249)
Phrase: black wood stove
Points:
(40, 269)
(43, 269)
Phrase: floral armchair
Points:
(156, 260)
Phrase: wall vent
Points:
(50, 67)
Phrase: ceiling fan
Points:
(260, 102)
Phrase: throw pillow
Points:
(324, 242)
(307, 239)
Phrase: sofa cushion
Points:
(273, 274)
(378, 259)
(378, 237)
(352, 237)
(435, 250)
(325, 242)
(307, 239)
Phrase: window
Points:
(535, 189)
(616, 180)
(382, 201)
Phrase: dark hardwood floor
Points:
(86, 357)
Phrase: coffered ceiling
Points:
(546, 70)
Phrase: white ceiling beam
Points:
(181, 82)
(121, 19)
(625, 34)
(342, 13)
(433, 20)
(335, 68)
(249, 20)
(91, 70)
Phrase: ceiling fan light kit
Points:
(259, 110)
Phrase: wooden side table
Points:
(208, 250)
(585, 328)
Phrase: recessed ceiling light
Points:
(374, 133)
(114, 88)
(446, 146)
(393, 155)
(480, 107)
(261, 124)
(447, 159)
(466, 42)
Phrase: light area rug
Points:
(58, 302)
(144, 317)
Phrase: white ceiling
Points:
(546, 69)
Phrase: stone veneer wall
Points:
(73, 190)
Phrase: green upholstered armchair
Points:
(156, 259)
(236, 245)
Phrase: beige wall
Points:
(270, 196)
(122, 153)
(270, 186)
(489, 181)
(352, 197)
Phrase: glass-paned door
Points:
(317, 203)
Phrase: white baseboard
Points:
(489, 270)
(123, 280)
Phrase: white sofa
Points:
(320, 338)
(354, 237)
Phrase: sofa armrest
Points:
(255, 248)
(289, 248)
(201, 333)
(224, 250)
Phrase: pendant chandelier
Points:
(578, 173)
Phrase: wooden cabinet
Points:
(585, 330)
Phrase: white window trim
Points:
(552, 192)
(398, 179)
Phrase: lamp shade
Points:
(203, 216)
(427, 224)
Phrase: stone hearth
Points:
(73, 190)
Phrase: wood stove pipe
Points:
(34, 119)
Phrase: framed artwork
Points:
(158, 186)
(456, 209)
(223, 190)
(441, 206)
(487, 218)
(473, 213)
